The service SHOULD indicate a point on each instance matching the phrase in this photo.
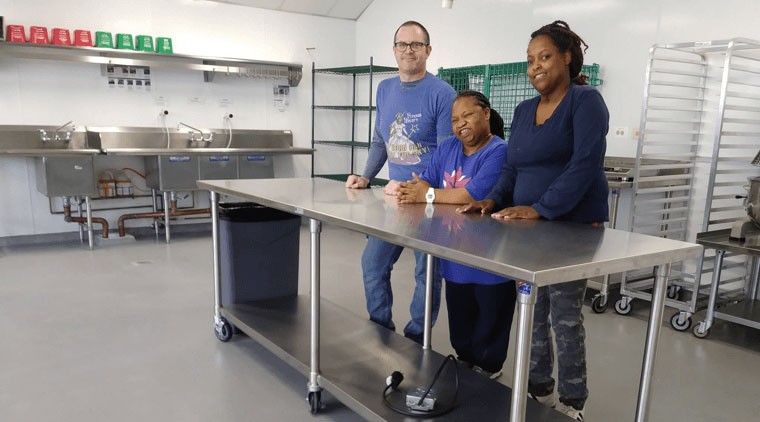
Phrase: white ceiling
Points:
(343, 9)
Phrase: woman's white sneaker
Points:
(570, 411)
(547, 400)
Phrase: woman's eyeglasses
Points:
(415, 46)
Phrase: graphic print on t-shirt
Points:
(401, 147)
(455, 179)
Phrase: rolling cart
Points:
(700, 113)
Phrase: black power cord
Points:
(396, 378)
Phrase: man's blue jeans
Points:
(377, 263)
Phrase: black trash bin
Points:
(258, 252)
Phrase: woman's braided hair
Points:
(566, 40)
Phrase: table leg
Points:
(155, 209)
(216, 259)
(604, 291)
(615, 195)
(427, 330)
(754, 277)
(315, 227)
(713, 300)
(167, 215)
(80, 213)
(526, 303)
(653, 336)
(88, 208)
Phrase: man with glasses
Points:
(413, 115)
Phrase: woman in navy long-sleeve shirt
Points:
(554, 170)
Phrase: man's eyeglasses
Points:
(415, 46)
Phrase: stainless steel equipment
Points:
(752, 204)
(63, 161)
(175, 159)
(142, 141)
(618, 171)
(700, 108)
(45, 141)
(746, 311)
(195, 154)
(73, 175)
(620, 179)
(740, 228)
(210, 66)
(482, 243)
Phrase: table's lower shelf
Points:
(356, 356)
(746, 313)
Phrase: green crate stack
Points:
(505, 85)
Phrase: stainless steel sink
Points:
(72, 175)
(156, 141)
(176, 158)
(45, 141)
(64, 163)
(168, 173)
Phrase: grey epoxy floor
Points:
(123, 333)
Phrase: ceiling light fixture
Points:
(446, 4)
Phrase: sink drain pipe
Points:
(173, 212)
(67, 217)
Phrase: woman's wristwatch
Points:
(430, 195)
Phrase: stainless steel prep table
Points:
(746, 312)
(539, 253)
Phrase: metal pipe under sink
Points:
(173, 212)
(83, 220)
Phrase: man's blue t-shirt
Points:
(450, 168)
(412, 117)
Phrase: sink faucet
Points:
(192, 134)
(68, 132)
(44, 136)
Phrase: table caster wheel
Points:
(699, 332)
(678, 324)
(599, 304)
(223, 330)
(315, 401)
(623, 306)
(674, 292)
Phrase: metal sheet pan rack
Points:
(620, 176)
(353, 142)
(700, 112)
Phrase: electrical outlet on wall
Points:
(621, 131)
